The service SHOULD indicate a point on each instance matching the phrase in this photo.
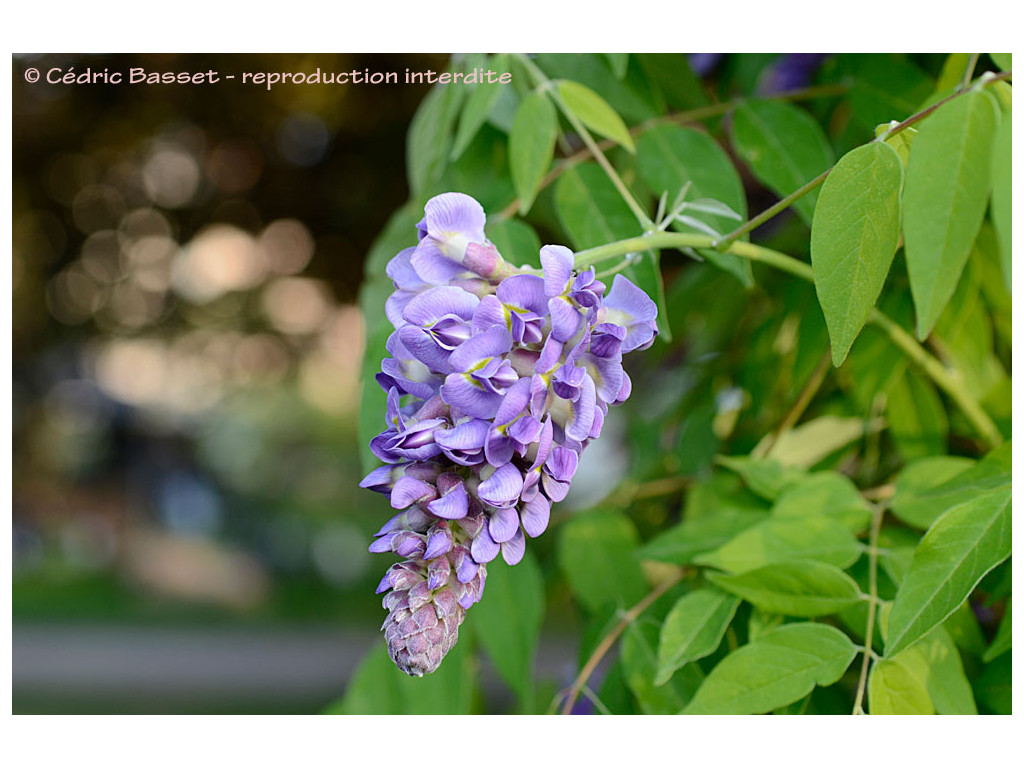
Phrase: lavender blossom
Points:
(497, 379)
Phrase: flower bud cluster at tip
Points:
(497, 379)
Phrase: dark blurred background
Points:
(187, 530)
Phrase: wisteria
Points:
(497, 378)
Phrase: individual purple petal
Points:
(465, 566)
(555, 489)
(503, 487)
(484, 548)
(384, 585)
(625, 390)
(606, 340)
(499, 448)
(539, 395)
(464, 444)
(408, 491)
(439, 542)
(462, 391)
(565, 318)
(581, 417)
(557, 261)
(535, 514)
(503, 524)
(438, 572)
(496, 375)
(524, 430)
(514, 403)
(489, 312)
(432, 305)
(524, 292)
(606, 374)
(383, 544)
(493, 342)
(434, 266)
(628, 306)
(562, 463)
(514, 549)
(452, 505)
(409, 544)
(453, 213)
(381, 480)
(550, 355)
(396, 522)
(403, 274)
(598, 425)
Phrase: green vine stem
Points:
(549, 87)
(948, 381)
(725, 241)
(869, 632)
(676, 118)
(609, 640)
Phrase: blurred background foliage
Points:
(189, 346)
(186, 346)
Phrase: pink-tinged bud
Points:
(423, 622)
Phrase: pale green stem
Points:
(869, 633)
(609, 640)
(542, 81)
(969, 71)
(947, 381)
(727, 240)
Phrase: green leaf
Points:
(886, 88)
(1003, 641)
(765, 477)
(854, 235)
(693, 629)
(825, 494)
(1001, 209)
(669, 157)
(781, 540)
(1002, 60)
(917, 420)
(591, 209)
(932, 665)
(806, 445)
(672, 75)
(944, 199)
(597, 553)
(920, 504)
(619, 62)
(508, 622)
(899, 687)
(910, 503)
(429, 141)
(378, 687)
(682, 543)
(780, 667)
(478, 106)
(952, 73)
(595, 113)
(639, 662)
(799, 588)
(516, 241)
(784, 146)
(531, 145)
(964, 544)
(995, 686)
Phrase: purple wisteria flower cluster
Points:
(498, 377)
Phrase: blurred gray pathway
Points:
(81, 668)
